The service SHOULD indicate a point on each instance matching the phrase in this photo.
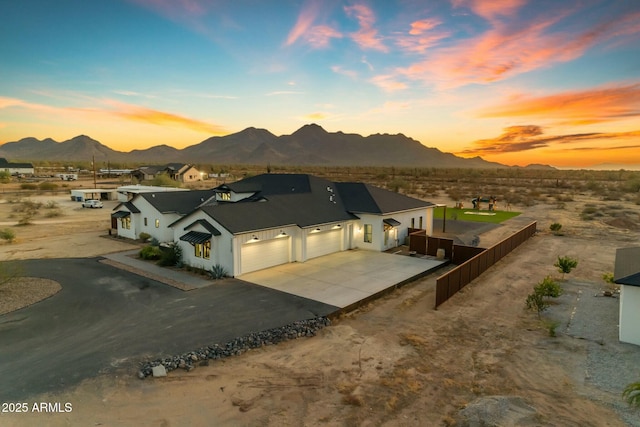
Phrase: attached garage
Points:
(264, 254)
(324, 243)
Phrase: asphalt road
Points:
(106, 319)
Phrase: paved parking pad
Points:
(343, 278)
(105, 318)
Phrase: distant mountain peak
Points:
(310, 129)
(309, 145)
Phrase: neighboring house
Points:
(272, 219)
(152, 213)
(627, 275)
(16, 168)
(183, 173)
(177, 171)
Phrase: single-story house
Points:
(180, 172)
(272, 219)
(627, 275)
(152, 212)
(16, 168)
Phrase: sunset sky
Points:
(513, 81)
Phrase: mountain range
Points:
(309, 145)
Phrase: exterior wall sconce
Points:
(254, 239)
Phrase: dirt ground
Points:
(394, 362)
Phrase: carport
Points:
(344, 278)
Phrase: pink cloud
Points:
(388, 83)
(525, 138)
(320, 36)
(367, 35)
(161, 118)
(508, 50)
(573, 107)
(491, 9)
(306, 18)
(422, 36)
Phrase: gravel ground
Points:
(610, 365)
(24, 291)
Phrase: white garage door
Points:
(259, 255)
(323, 243)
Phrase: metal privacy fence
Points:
(450, 283)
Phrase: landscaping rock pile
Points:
(237, 346)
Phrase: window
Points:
(413, 223)
(198, 250)
(368, 233)
(126, 222)
(157, 223)
(225, 196)
(421, 223)
(207, 249)
(145, 221)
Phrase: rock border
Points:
(235, 347)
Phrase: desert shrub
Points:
(170, 255)
(28, 209)
(8, 235)
(536, 301)
(164, 180)
(551, 327)
(608, 277)
(47, 186)
(150, 252)
(28, 186)
(565, 264)
(53, 213)
(217, 272)
(555, 228)
(631, 394)
(5, 177)
(399, 184)
(144, 236)
(51, 204)
(549, 288)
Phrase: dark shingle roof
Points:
(302, 200)
(364, 198)
(132, 208)
(272, 184)
(181, 202)
(208, 226)
(6, 164)
(627, 266)
(284, 200)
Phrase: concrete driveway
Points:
(105, 318)
(344, 278)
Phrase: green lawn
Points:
(495, 217)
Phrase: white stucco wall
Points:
(163, 233)
(630, 314)
(220, 245)
(128, 233)
(400, 233)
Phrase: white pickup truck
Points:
(91, 203)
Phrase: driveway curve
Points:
(105, 319)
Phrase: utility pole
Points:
(93, 162)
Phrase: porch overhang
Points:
(196, 237)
